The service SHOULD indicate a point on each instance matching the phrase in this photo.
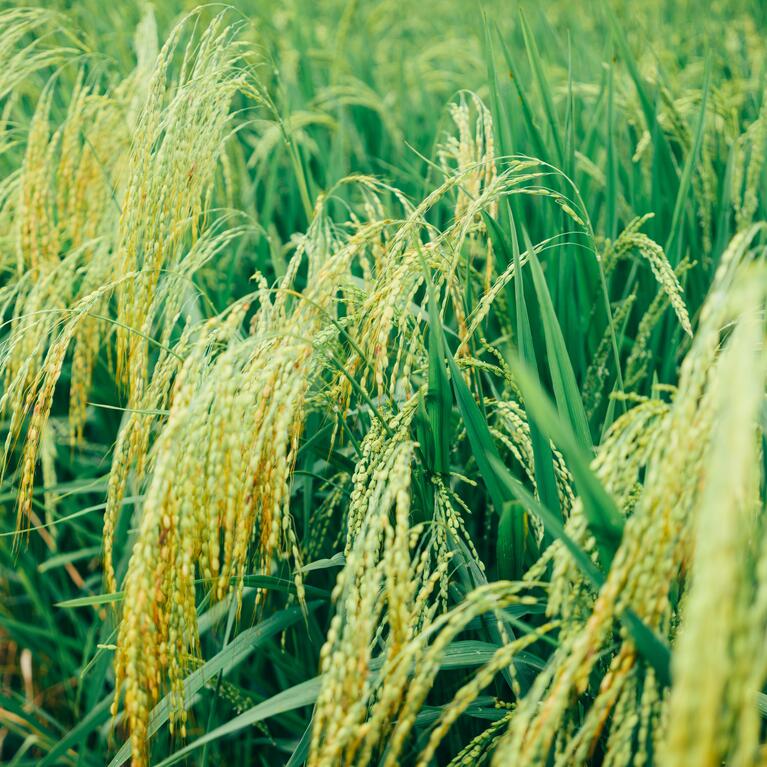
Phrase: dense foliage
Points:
(383, 384)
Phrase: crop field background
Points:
(383, 383)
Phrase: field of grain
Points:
(383, 383)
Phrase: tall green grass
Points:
(383, 387)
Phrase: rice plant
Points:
(383, 387)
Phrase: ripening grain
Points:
(383, 387)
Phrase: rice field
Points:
(383, 384)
